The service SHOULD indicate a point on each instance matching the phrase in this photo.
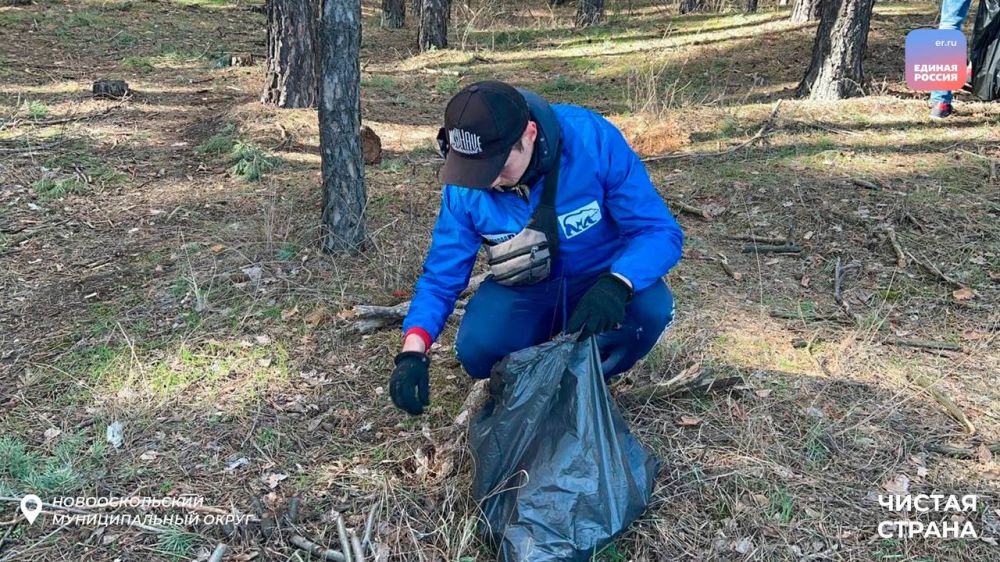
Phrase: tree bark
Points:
(393, 13)
(291, 57)
(750, 7)
(806, 10)
(589, 12)
(841, 39)
(416, 10)
(688, 6)
(344, 196)
(433, 31)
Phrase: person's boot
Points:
(941, 110)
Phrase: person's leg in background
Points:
(500, 320)
(649, 312)
(953, 13)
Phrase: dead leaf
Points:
(273, 479)
(922, 471)
(263, 339)
(287, 314)
(688, 421)
(984, 454)
(218, 248)
(772, 261)
(149, 456)
(963, 294)
(317, 317)
(805, 281)
(899, 485)
(51, 433)
(971, 335)
(763, 393)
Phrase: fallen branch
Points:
(724, 262)
(316, 550)
(370, 318)
(345, 543)
(771, 249)
(787, 315)
(865, 184)
(30, 148)
(959, 452)
(359, 553)
(900, 255)
(924, 344)
(764, 127)
(838, 281)
(219, 553)
(760, 240)
(933, 270)
(950, 407)
(690, 209)
(58, 121)
(691, 381)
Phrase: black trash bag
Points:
(558, 474)
(986, 51)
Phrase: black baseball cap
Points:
(481, 125)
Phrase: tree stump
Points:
(371, 146)
(111, 89)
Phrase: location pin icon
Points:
(31, 511)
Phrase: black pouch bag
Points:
(558, 474)
(527, 258)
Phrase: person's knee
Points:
(474, 354)
(654, 309)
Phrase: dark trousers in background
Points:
(500, 320)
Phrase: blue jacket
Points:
(610, 219)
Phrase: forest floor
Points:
(160, 268)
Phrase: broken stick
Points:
(950, 407)
(924, 344)
(959, 452)
(778, 241)
(900, 255)
(218, 553)
(317, 550)
(933, 270)
(690, 209)
(771, 249)
(370, 318)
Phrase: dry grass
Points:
(196, 308)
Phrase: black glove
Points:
(409, 385)
(601, 308)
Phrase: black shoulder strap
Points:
(544, 216)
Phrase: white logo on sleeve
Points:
(575, 222)
(464, 141)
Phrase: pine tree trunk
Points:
(433, 31)
(393, 13)
(835, 71)
(806, 10)
(688, 6)
(340, 126)
(750, 7)
(291, 58)
(416, 10)
(589, 12)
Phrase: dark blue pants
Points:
(500, 320)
